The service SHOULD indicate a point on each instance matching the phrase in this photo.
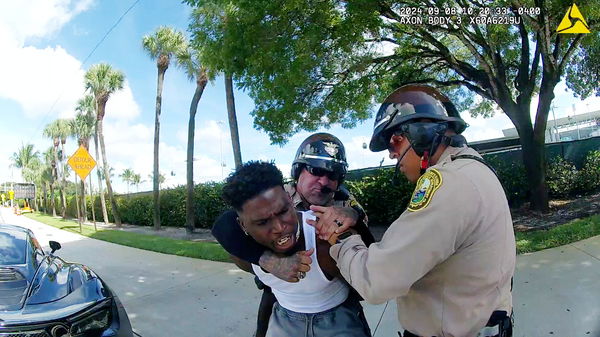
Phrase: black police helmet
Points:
(410, 103)
(322, 150)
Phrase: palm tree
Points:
(54, 132)
(190, 61)
(102, 80)
(233, 127)
(63, 127)
(43, 179)
(26, 159)
(83, 129)
(137, 180)
(127, 177)
(161, 178)
(87, 105)
(161, 46)
(50, 163)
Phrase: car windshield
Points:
(12, 248)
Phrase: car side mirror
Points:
(54, 246)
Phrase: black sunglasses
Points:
(319, 172)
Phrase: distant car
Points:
(41, 295)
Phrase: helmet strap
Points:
(424, 161)
(396, 177)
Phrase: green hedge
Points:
(382, 201)
(137, 209)
(380, 197)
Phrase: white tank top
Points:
(314, 293)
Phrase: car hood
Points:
(83, 297)
(56, 289)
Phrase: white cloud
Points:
(130, 145)
(212, 138)
(38, 18)
(41, 80)
(122, 105)
(486, 128)
(359, 157)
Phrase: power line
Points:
(110, 30)
(43, 120)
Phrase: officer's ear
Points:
(395, 141)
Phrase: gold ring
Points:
(301, 275)
(338, 222)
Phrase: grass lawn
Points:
(560, 235)
(198, 250)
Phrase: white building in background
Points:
(579, 126)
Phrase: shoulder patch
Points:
(426, 187)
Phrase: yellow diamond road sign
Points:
(573, 22)
(82, 162)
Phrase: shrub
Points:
(383, 202)
(513, 178)
(561, 177)
(138, 209)
(589, 176)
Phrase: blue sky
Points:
(45, 42)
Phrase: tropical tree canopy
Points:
(27, 159)
(102, 80)
(83, 127)
(165, 43)
(308, 64)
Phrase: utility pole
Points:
(576, 123)
(556, 133)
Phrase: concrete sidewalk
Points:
(556, 291)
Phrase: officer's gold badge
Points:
(426, 187)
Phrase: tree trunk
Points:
(77, 204)
(189, 200)
(233, 126)
(100, 191)
(57, 177)
(92, 201)
(52, 201)
(111, 197)
(64, 182)
(44, 200)
(155, 185)
(534, 159)
(35, 203)
(83, 202)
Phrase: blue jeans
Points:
(345, 320)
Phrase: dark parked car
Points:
(41, 295)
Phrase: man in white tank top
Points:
(318, 305)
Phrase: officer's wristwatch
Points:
(336, 238)
(343, 236)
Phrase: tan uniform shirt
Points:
(448, 259)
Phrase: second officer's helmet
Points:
(323, 151)
(409, 103)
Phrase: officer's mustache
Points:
(326, 190)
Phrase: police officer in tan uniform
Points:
(448, 260)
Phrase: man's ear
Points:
(239, 221)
